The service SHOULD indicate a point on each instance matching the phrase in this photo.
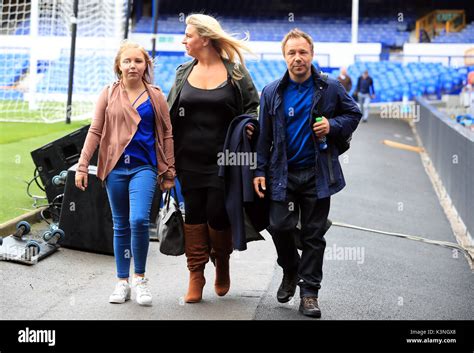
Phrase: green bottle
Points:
(322, 141)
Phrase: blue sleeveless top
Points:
(141, 150)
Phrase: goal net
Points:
(35, 52)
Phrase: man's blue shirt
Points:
(297, 100)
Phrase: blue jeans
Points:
(130, 192)
(364, 101)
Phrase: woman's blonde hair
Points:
(225, 44)
(127, 44)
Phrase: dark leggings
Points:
(206, 205)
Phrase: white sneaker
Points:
(121, 293)
(143, 292)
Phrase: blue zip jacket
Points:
(330, 100)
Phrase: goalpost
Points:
(35, 48)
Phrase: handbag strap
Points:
(168, 197)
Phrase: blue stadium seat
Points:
(393, 80)
(324, 29)
(11, 94)
(464, 36)
(14, 65)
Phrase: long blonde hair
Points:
(127, 44)
(225, 44)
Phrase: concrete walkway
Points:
(366, 275)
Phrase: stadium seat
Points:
(12, 68)
(321, 28)
(393, 80)
(464, 36)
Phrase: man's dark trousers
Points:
(284, 216)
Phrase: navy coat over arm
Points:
(248, 214)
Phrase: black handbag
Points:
(171, 227)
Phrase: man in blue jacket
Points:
(297, 159)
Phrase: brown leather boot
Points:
(196, 246)
(221, 242)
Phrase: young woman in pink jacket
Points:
(132, 127)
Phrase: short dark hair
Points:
(296, 33)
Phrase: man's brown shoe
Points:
(309, 306)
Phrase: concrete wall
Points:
(451, 149)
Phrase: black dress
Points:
(199, 130)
